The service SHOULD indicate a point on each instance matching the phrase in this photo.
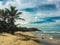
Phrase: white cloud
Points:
(28, 3)
(30, 17)
(1, 6)
(16, 3)
(27, 16)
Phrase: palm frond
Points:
(14, 12)
(16, 16)
(8, 10)
(19, 13)
(12, 8)
(21, 19)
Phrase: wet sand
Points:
(46, 39)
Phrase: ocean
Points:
(54, 35)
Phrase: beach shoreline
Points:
(6, 38)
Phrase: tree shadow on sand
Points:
(27, 37)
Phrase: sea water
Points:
(54, 35)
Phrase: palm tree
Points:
(12, 15)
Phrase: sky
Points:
(41, 14)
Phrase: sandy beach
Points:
(8, 39)
(26, 38)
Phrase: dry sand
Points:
(8, 39)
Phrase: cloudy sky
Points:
(41, 14)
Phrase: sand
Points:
(8, 39)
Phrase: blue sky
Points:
(41, 14)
